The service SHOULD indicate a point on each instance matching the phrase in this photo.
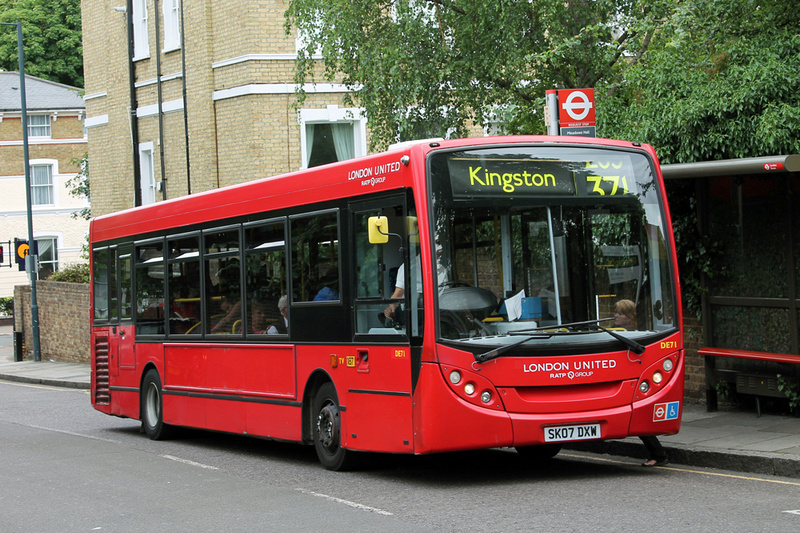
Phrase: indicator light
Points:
(455, 377)
(668, 364)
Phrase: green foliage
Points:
(724, 389)
(7, 306)
(79, 185)
(51, 35)
(720, 81)
(699, 255)
(77, 273)
(430, 67)
(789, 388)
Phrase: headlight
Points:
(657, 377)
(486, 396)
(469, 388)
(644, 387)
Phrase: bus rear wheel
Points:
(152, 412)
(326, 430)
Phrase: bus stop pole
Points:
(551, 107)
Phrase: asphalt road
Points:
(66, 467)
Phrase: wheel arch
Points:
(316, 380)
(147, 368)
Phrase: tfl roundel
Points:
(576, 107)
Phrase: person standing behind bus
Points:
(625, 317)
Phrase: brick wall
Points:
(695, 381)
(64, 333)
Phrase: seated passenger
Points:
(233, 312)
(281, 327)
(258, 318)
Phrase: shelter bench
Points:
(746, 383)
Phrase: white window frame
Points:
(141, 37)
(147, 183)
(56, 242)
(35, 130)
(330, 115)
(52, 164)
(172, 25)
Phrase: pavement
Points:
(732, 438)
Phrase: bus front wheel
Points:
(152, 407)
(327, 430)
(539, 452)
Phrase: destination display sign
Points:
(610, 174)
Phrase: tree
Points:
(51, 34)
(721, 80)
(79, 185)
(434, 66)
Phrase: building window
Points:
(141, 44)
(172, 25)
(39, 126)
(331, 134)
(41, 184)
(48, 256)
(148, 176)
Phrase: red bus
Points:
(283, 307)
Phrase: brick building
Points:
(200, 96)
(56, 139)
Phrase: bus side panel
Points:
(275, 421)
(184, 410)
(444, 422)
(378, 422)
(212, 386)
(378, 399)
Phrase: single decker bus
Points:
(443, 295)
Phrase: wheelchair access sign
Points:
(666, 411)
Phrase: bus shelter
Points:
(748, 211)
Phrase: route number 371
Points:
(608, 185)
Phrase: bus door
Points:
(387, 316)
(126, 354)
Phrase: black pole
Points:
(31, 260)
(134, 121)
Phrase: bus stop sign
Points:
(576, 111)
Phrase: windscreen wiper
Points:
(497, 352)
(631, 344)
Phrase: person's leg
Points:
(657, 455)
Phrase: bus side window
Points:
(379, 239)
(101, 277)
(315, 258)
(223, 296)
(150, 288)
(184, 283)
(265, 279)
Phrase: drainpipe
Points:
(185, 105)
(160, 103)
(134, 124)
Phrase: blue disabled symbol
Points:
(673, 408)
